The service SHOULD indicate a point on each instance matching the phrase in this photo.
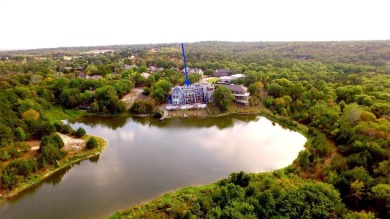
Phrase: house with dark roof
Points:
(152, 69)
(241, 94)
(222, 72)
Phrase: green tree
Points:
(142, 107)
(160, 90)
(91, 69)
(31, 114)
(223, 97)
(70, 97)
(107, 98)
(53, 139)
(80, 132)
(20, 134)
(6, 135)
(256, 88)
(92, 143)
(381, 196)
(49, 155)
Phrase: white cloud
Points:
(44, 23)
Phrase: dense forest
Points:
(340, 91)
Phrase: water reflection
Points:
(110, 122)
(118, 122)
(146, 157)
(94, 159)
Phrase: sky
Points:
(29, 24)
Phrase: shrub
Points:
(142, 107)
(53, 139)
(63, 128)
(92, 143)
(80, 132)
(22, 146)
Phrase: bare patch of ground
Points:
(130, 97)
(71, 143)
(189, 113)
(34, 144)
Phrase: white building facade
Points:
(195, 93)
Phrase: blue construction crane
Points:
(187, 82)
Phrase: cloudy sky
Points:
(27, 24)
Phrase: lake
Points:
(146, 158)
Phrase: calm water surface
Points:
(146, 158)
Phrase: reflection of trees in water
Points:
(53, 179)
(94, 159)
(118, 122)
(109, 122)
(57, 177)
(220, 122)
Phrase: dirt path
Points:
(69, 143)
(165, 112)
(129, 98)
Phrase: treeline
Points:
(266, 195)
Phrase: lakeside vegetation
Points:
(337, 93)
(35, 177)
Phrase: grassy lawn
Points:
(212, 80)
(56, 113)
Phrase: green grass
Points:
(212, 80)
(56, 113)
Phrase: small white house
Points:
(145, 75)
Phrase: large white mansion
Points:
(194, 93)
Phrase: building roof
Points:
(95, 77)
(193, 70)
(238, 76)
(225, 78)
(145, 75)
(222, 72)
(176, 89)
(235, 87)
(130, 66)
(153, 68)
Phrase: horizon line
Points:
(227, 41)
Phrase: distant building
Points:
(228, 79)
(241, 94)
(85, 76)
(193, 71)
(129, 66)
(222, 72)
(145, 75)
(237, 76)
(225, 80)
(94, 77)
(82, 75)
(67, 58)
(195, 93)
(152, 69)
(68, 68)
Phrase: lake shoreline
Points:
(41, 176)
